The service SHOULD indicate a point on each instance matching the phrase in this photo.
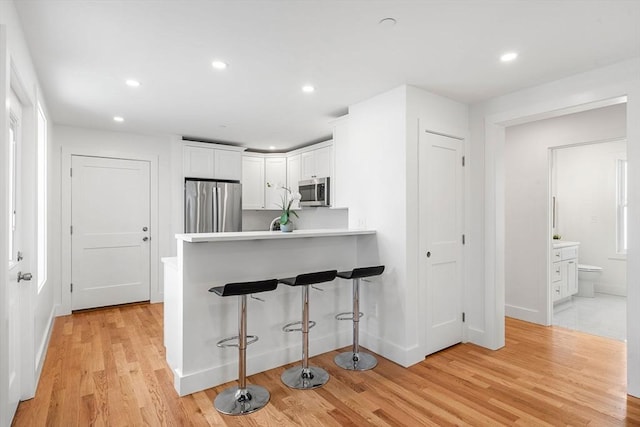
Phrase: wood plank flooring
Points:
(107, 367)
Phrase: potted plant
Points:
(288, 197)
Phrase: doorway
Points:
(588, 185)
(529, 263)
(110, 231)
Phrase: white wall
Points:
(526, 159)
(586, 194)
(157, 149)
(15, 56)
(488, 122)
(379, 180)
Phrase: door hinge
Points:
(463, 317)
(71, 287)
(462, 161)
(463, 239)
(71, 229)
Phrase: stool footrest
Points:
(348, 315)
(288, 326)
(227, 341)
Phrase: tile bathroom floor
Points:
(604, 315)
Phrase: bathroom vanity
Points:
(564, 269)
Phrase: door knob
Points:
(145, 238)
(428, 254)
(25, 276)
(145, 228)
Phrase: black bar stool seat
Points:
(305, 377)
(244, 398)
(354, 360)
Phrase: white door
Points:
(441, 215)
(17, 264)
(110, 214)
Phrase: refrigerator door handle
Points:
(216, 213)
(222, 204)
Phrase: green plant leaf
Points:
(284, 218)
(295, 213)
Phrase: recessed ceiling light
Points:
(271, 147)
(308, 88)
(219, 65)
(132, 83)
(118, 119)
(509, 56)
(387, 22)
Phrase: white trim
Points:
(156, 294)
(495, 199)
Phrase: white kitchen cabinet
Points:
(293, 175)
(228, 165)
(564, 273)
(316, 163)
(275, 173)
(198, 162)
(252, 182)
(201, 161)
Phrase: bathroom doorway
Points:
(528, 153)
(588, 221)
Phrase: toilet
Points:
(588, 276)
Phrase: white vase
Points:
(287, 228)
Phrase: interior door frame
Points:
(156, 293)
(495, 125)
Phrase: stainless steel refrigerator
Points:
(212, 206)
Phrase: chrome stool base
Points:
(362, 362)
(295, 378)
(233, 401)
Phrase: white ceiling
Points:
(84, 50)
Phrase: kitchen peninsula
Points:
(195, 319)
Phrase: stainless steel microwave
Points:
(315, 192)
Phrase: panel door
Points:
(228, 165)
(198, 162)
(293, 176)
(275, 172)
(441, 215)
(307, 165)
(572, 278)
(252, 182)
(11, 327)
(323, 162)
(110, 247)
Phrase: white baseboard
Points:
(524, 313)
(196, 381)
(402, 356)
(611, 290)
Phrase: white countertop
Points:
(266, 235)
(557, 244)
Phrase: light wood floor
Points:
(106, 367)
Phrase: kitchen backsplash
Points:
(310, 218)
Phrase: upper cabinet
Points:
(211, 161)
(293, 175)
(265, 176)
(316, 163)
(252, 182)
(198, 162)
(275, 175)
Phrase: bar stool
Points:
(305, 377)
(244, 398)
(354, 360)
